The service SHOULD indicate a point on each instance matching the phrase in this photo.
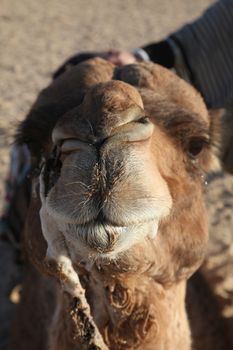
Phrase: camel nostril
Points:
(138, 130)
(98, 143)
(144, 120)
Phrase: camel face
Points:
(109, 193)
(123, 151)
(117, 199)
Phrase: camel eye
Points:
(195, 146)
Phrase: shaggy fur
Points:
(123, 152)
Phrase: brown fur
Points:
(138, 297)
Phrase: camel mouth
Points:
(99, 236)
(105, 239)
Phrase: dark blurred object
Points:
(161, 53)
(227, 141)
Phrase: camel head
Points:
(122, 153)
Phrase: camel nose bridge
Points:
(108, 109)
(121, 126)
(111, 105)
(114, 122)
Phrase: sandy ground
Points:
(36, 36)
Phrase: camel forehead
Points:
(152, 77)
(96, 78)
(148, 75)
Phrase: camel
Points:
(116, 223)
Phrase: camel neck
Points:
(139, 313)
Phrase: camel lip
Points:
(108, 224)
(99, 236)
(101, 220)
(104, 239)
